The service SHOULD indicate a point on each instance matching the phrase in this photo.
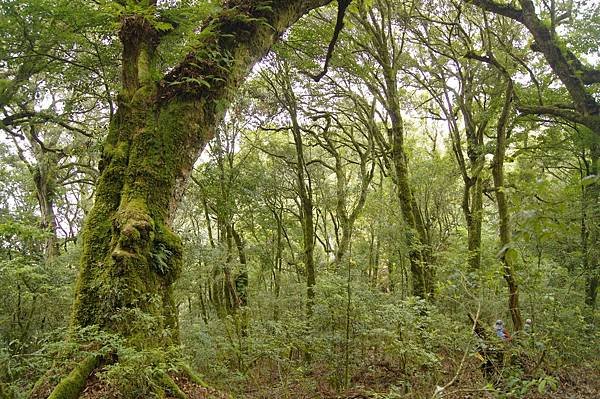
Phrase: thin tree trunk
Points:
(347, 219)
(506, 251)
(282, 88)
(591, 229)
(241, 279)
(386, 51)
(278, 262)
(306, 213)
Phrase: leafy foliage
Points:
(410, 85)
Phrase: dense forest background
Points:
(392, 178)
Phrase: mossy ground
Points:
(88, 380)
(97, 388)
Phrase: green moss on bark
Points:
(195, 378)
(131, 256)
(72, 385)
(170, 386)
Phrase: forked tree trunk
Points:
(386, 51)
(472, 203)
(347, 217)
(131, 257)
(507, 252)
(44, 191)
(471, 165)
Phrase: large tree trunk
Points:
(131, 257)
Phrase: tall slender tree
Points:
(381, 42)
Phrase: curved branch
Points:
(502, 9)
(550, 110)
(339, 25)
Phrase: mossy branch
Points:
(170, 386)
(195, 378)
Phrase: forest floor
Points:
(385, 382)
(98, 389)
(379, 380)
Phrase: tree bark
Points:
(472, 204)
(386, 52)
(43, 173)
(506, 251)
(306, 209)
(591, 229)
(44, 182)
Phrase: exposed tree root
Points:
(195, 378)
(171, 386)
(71, 386)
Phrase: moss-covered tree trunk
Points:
(306, 208)
(474, 223)
(131, 257)
(416, 235)
(44, 192)
(44, 175)
(472, 203)
(472, 164)
(507, 252)
(386, 51)
(415, 232)
(591, 226)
